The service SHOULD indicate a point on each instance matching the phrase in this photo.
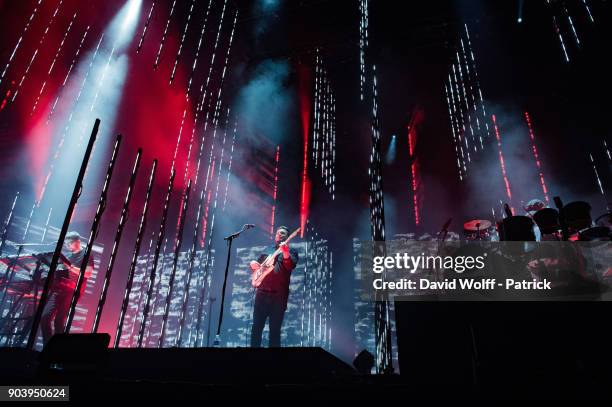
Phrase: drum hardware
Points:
(577, 215)
(604, 220)
(595, 234)
(562, 222)
(477, 229)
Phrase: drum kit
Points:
(541, 223)
(568, 222)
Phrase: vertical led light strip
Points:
(197, 53)
(466, 107)
(16, 48)
(218, 97)
(204, 86)
(588, 9)
(476, 80)
(382, 328)
(561, 41)
(63, 85)
(598, 179)
(536, 156)
(317, 113)
(146, 27)
(305, 190)
(460, 115)
(68, 123)
(209, 254)
(466, 102)
(323, 128)
(164, 35)
(452, 121)
(413, 170)
(571, 24)
(196, 116)
(40, 43)
(501, 159)
(363, 43)
(470, 79)
(203, 93)
(59, 49)
(332, 176)
(182, 42)
(607, 150)
(102, 79)
(276, 160)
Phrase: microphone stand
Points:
(229, 240)
(439, 242)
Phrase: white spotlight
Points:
(133, 9)
(124, 24)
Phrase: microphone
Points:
(235, 235)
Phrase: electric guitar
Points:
(267, 266)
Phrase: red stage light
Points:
(501, 159)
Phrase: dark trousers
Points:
(55, 313)
(267, 305)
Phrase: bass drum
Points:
(547, 220)
(516, 229)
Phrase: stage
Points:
(273, 196)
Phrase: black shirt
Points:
(76, 259)
(67, 279)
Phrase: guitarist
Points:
(272, 295)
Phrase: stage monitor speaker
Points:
(74, 354)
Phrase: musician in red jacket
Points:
(272, 295)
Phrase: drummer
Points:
(531, 208)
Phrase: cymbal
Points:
(595, 234)
(604, 220)
(476, 224)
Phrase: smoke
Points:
(266, 103)
(485, 185)
(99, 98)
(267, 8)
